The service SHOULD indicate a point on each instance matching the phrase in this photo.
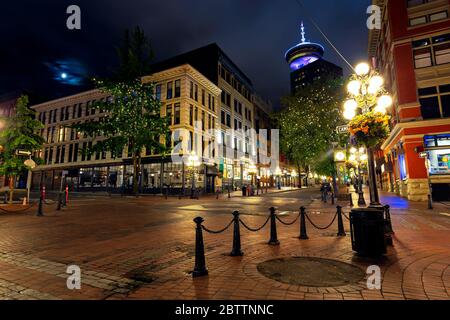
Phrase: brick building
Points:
(412, 51)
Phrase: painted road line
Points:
(445, 214)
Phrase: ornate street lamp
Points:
(193, 163)
(366, 110)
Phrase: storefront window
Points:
(439, 161)
(402, 166)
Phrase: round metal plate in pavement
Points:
(311, 271)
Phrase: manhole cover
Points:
(311, 272)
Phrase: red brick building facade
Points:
(412, 51)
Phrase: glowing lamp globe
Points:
(385, 101)
(349, 114)
(380, 109)
(376, 82)
(362, 69)
(351, 105)
(354, 87)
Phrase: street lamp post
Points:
(367, 95)
(359, 157)
(193, 160)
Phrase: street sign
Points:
(423, 155)
(342, 129)
(23, 153)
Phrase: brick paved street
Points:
(143, 248)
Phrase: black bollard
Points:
(236, 251)
(351, 200)
(64, 200)
(341, 230)
(200, 263)
(229, 194)
(387, 211)
(332, 198)
(40, 212)
(273, 228)
(361, 201)
(303, 234)
(430, 202)
(5, 200)
(58, 208)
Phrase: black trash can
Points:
(367, 231)
(244, 191)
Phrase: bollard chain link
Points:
(254, 230)
(321, 228)
(20, 210)
(343, 213)
(288, 223)
(219, 231)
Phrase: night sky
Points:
(37, 48)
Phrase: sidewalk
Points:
(137, 248)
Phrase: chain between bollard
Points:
(321, 228)
(20, 210)
(345, 216)
(251, 229)
(286, 223)
(219, 231)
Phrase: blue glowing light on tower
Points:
(303, 53)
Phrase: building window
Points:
(196, 92)
(414, 3)
(428, 18)
(191, 90)
(191, 115)
(80, 110)
(228, 124)
(177, 114)
(203, 120)
(430, 108)
(222, 117)
(438, 16)
(63, 153)
(169, 90)
(422, 58)
(445, 103)
(435, 51)
(69, 159)
(203, 98)
(442, 53)
(177, 88)
(435, 101)
(75, 153)
(158, 92)
(169, 114)
(417, 21)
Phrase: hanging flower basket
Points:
(370, 128)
